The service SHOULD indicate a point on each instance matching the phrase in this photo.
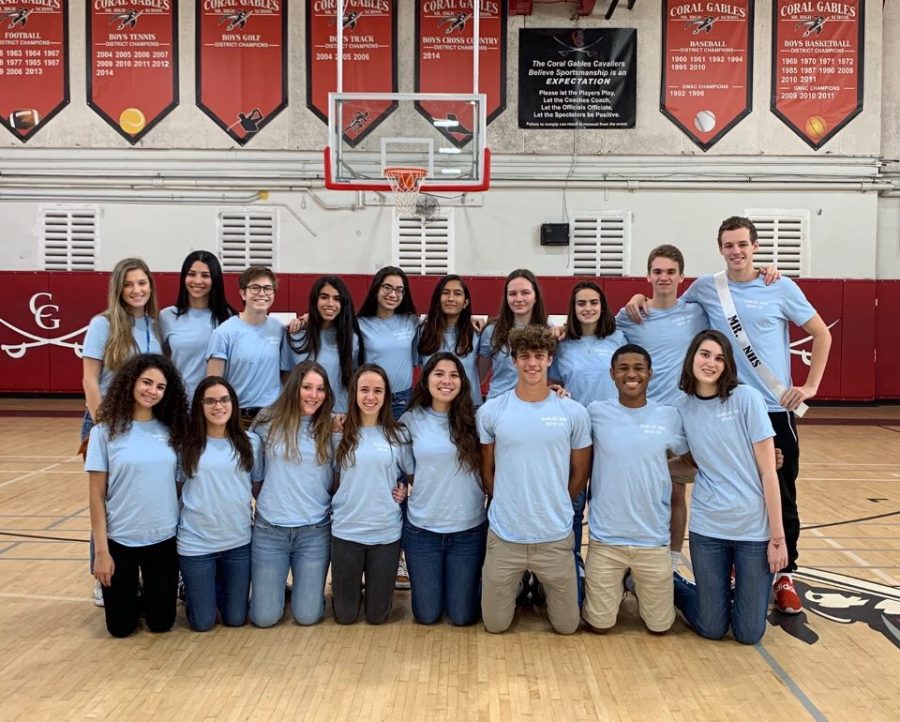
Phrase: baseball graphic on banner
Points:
(705, 121)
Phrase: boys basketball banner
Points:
(242, 63)
(707, 67)
(369, 64)
(34, 59)
(817, 66)
(445, 61)
(132, 78)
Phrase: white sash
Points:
(737, 329)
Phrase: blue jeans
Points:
(709, 606)
(399, 402)
(445, 573)
(306, 551)
(220, 580)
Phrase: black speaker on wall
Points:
(554, 234)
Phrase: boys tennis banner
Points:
(34, 59)
(817, 66)
(369, 65)
(445, 58)
(132, 73)
(242, 64)
(707, 67)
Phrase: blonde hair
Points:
(120, 344)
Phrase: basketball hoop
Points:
(405, 182)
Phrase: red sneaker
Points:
(786, 599)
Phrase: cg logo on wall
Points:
(45, 315)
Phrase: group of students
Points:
(348, 461)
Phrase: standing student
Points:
(131, 461)
(735, 505)
(292, 530)
(372, 453)
(536, 451)
(217, 474)
(445, 529)
(201, 306)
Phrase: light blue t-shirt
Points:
(216, 511)
(533, 442)
(727, 500)
(294, 493)
(186, 338)
(328, 357)
(469, 362)
(364, 510)
(765, 312)
(445, 498)
(97, 335)
(141, 497)
(666, 333)
(631, 488)
(504, 375)
(252, 355)
(582, 364)
(391, 343)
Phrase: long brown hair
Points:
(120, 344)
(726, 383)
(504, 321)
(606, 324)
(432, 333)
(195, 442)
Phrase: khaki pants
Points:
(554, 565)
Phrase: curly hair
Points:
(120, 344)
(504, 321)
(531, 338)
(432, 334)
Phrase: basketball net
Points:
(405, 183)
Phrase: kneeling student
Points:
(630, 507)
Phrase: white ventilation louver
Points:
(600, 243)
(783, 239)
(424, 246)
(69, 237)
(247, 238)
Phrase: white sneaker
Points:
(97, 595)
(402, 581)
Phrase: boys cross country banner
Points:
(707, 67)
(370, 60)
(817, 66)
(242, 63)
(445, 61)
(132, 59)
(34, 60)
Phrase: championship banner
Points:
(370, 60)
(577, 78)
(34, 59)
(444, 58)
(707, 67)
(242, 63)
(132, 79)
(817, 66)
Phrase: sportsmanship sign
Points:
(445, 61)
(817, 66)
(577, 78)
(34, 78)
(242, 63)
(370, 60)
(132, 79)
(707, 66)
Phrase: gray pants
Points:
(348, 562)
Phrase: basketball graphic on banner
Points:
(705, 121)
(132, 121)
(816, 127)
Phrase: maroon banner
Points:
(132, 73)
(370, 60)
(817, 66)
(34, 60)
(707, 67)
(444, 57)
(242, 63)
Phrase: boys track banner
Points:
(369, 64)
(445, 58)
(132, 59)
(817, 66)
(242, 63)
(34, 60)
(707, 67)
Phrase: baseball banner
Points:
(707, 67)
(817, 66)
(132, 63)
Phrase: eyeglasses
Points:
(224, 401)
(256, 289)
(387, 289)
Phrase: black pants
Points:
(786, 439)
(348, 562)
(157, 565)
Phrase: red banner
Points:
(370, 60)
(817, 66)
(34, 59)
(242, 63)
(444, 57)
(132, 78)
(707, 67)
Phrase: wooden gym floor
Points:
(839, 660)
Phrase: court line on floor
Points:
(43, 597)
(850, 521)
(789, 682)
(67, 517)
(41, 537)
(863, 564)
(33, 473)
